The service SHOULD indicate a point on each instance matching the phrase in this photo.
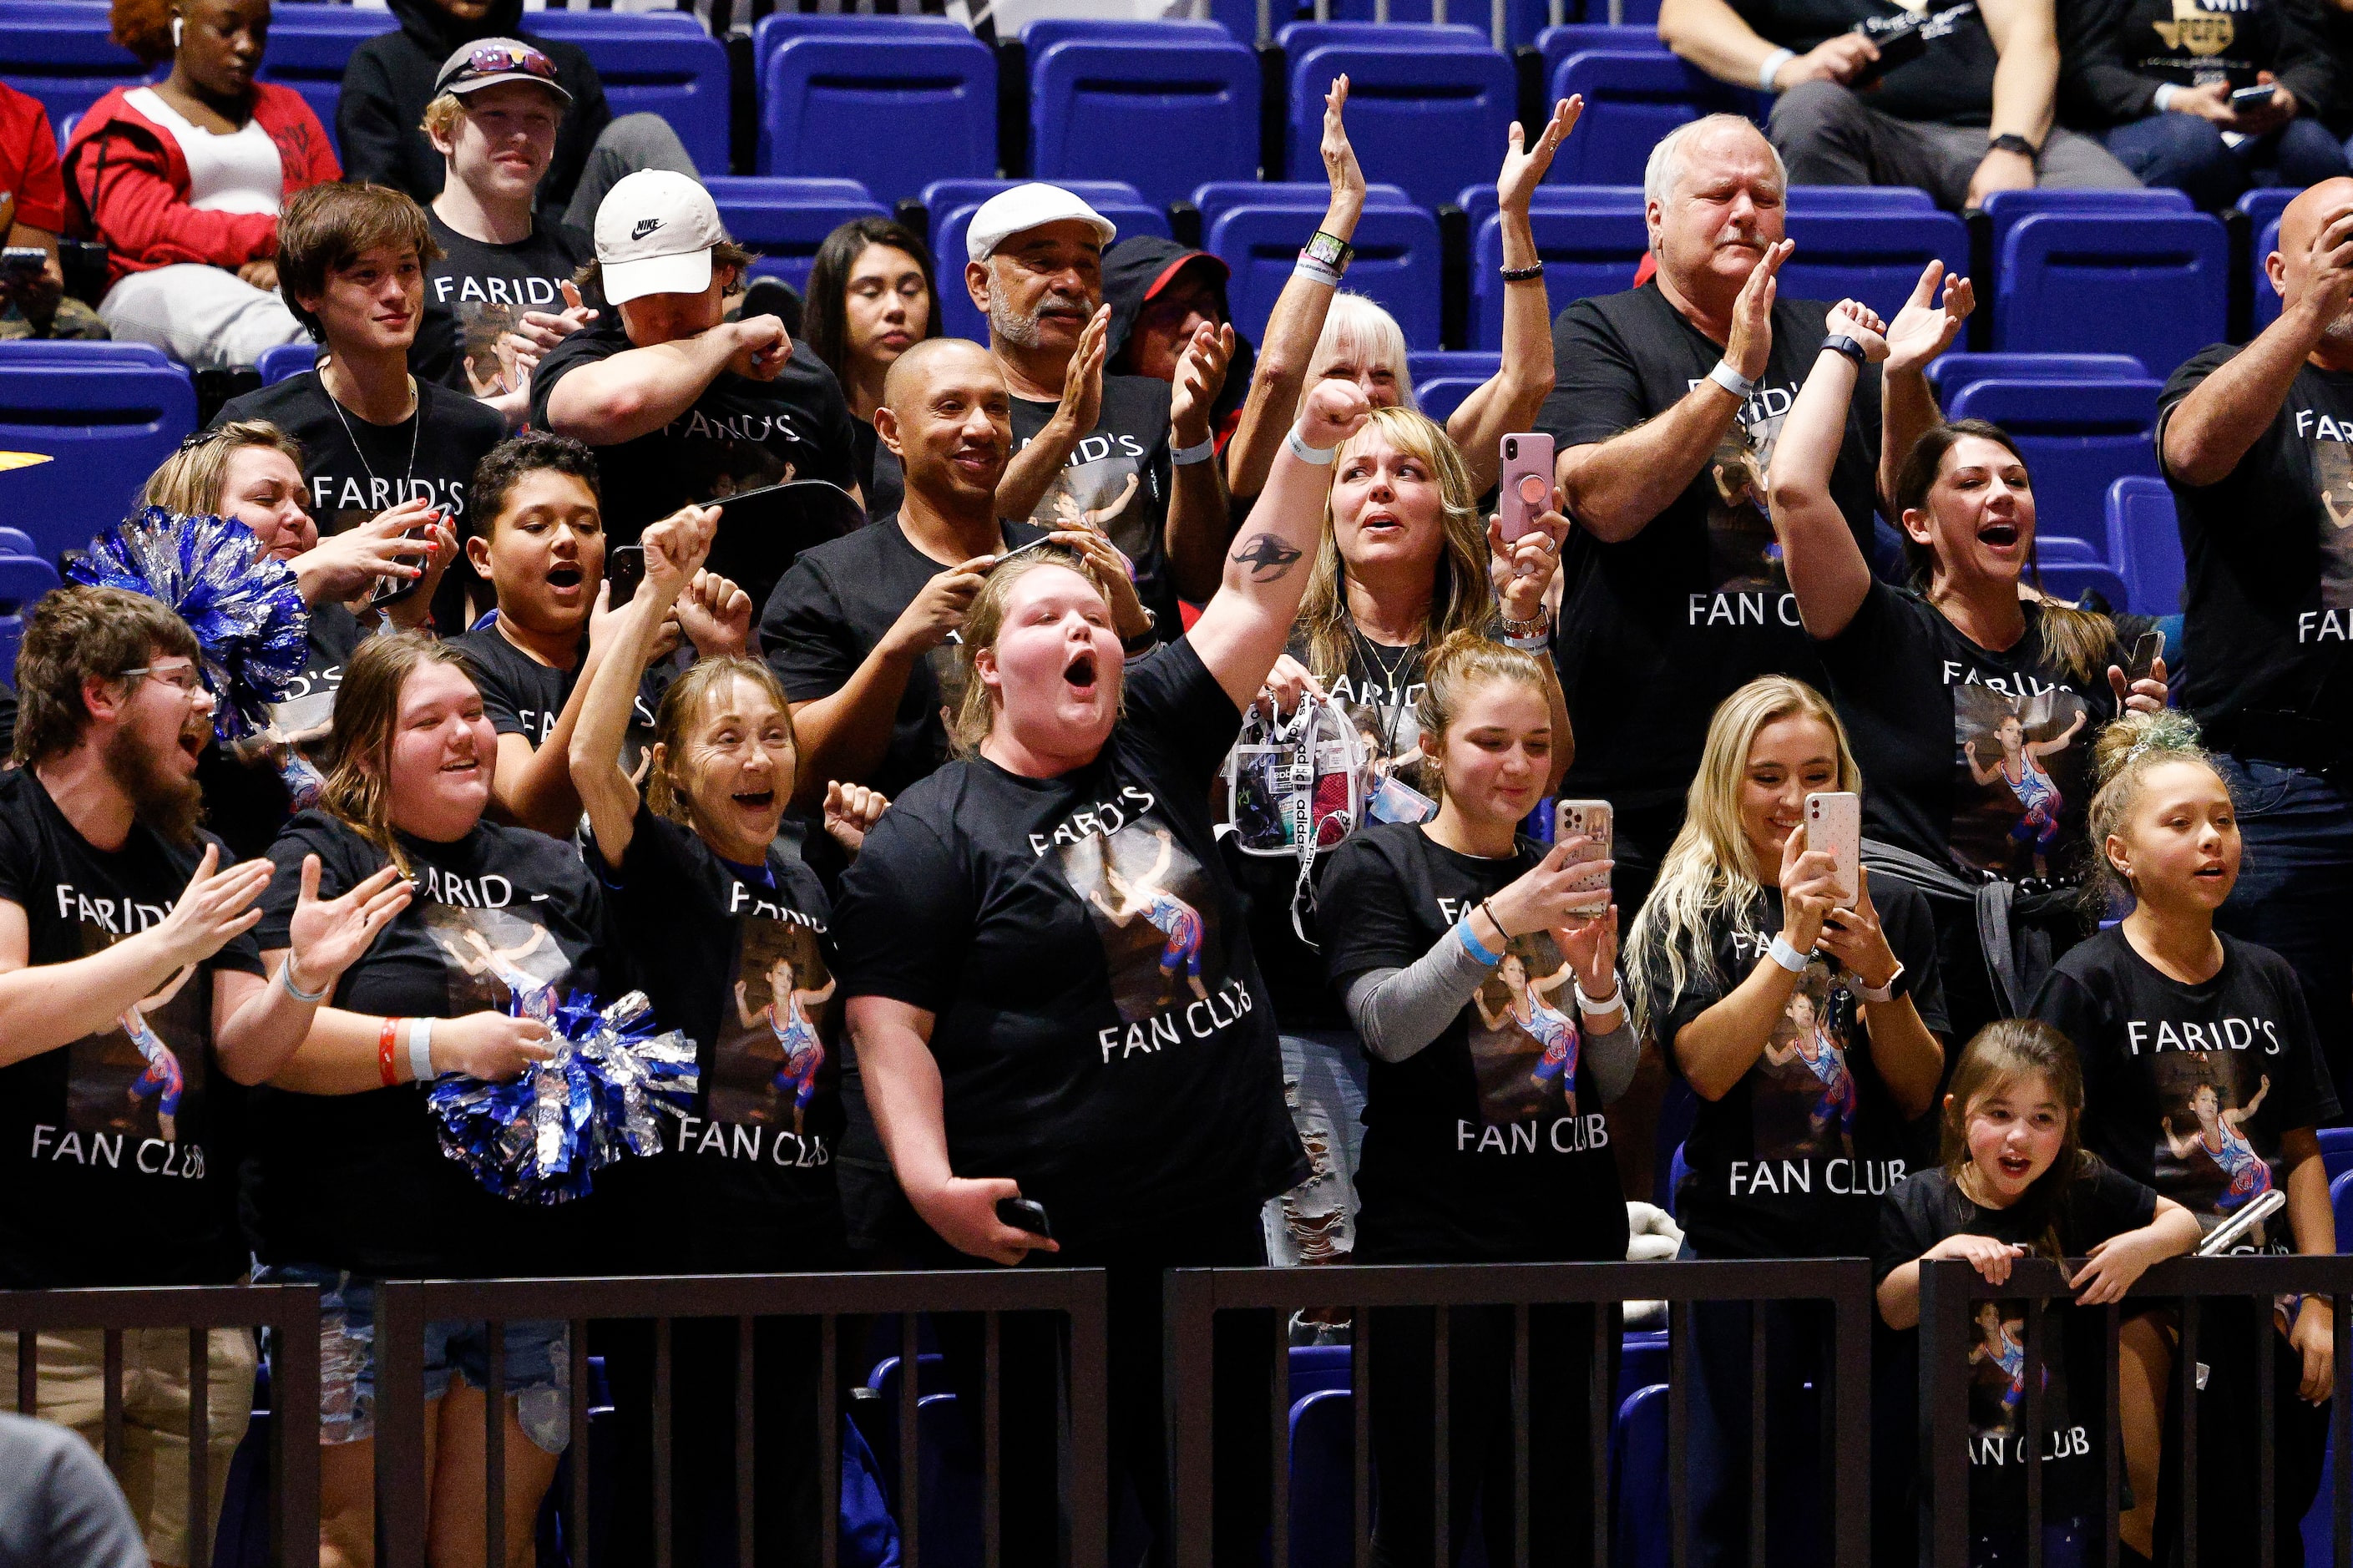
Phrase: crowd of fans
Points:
(969, 844)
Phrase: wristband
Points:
(384, 1039)
(1840, 343)
(1312, 269)
(1732, 381)
(1772, 68)
(1539, 643)
(1536, 625)
(2163, 100)
(1494, 919)
(1788, 957)
(1328, 251)
(1887, 993)
(308, 998)
(420, 1049)
(1476, 948)
(1608, 1004)
(1320, 457)
(1186, 457)
(2010, 142)
(1523, 274)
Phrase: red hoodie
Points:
(127, 183)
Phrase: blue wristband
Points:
(1477, 949)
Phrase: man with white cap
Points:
(683, 404)
(1128, 456)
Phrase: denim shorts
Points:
(538, 1360)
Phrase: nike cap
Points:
(1025, 208)
(654, 233)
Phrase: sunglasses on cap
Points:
(492, 58)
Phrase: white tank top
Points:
(237, 173)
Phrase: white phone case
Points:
(1594, 819)
(1834, 826)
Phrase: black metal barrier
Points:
(1948, 1288)
(1195, 1296)
(291, 1314)
(405, 1308)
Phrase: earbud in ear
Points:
(178, 26)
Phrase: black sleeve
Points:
(1364, 912)
(1912, 933)
(1597, 390)
(1907, 1224)
(18, 869)
(498, 697)
(2310, 1098)
(243, 952)
(579, 349)
(2304, 66)
(368, 131)
(1179, 709)
(2093, 79)
(1671, 1009)
(285, 889)
(905, 917)
(839, 426)
(2103, 1202)
(1877, 640)
(805, 635)
(651, 868)
(2069, 1006)
(2187, 380)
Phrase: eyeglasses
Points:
(186, 681)
(494, 58)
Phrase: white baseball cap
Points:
(655, 229)
(1022, 208)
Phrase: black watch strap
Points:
(2009, 141)
(1840, 343)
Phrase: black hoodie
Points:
(390, 79)
(1129, 270)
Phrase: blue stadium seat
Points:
(2069, 580)
(1456, 364)
(75, 351)
(286, 360)
(1632, 97)
(108, 427)
(1397, 264)
(2079, 437)
(2266, 203)
(1428, 107)
(2007, 208)
(941, 196)
(1479, 204)
(2267, 299)
(1314, 1368)
(958, 319)
(779, 26)
(651, 62)
(1215, 197)
(16, 542)
(2340, 1201)
(786, 220)
(1323, 1479)
(2148, 536)
(1160, 115)
(1875, 258)
(2150, 285)
(310, 45)
(1583, 254)
(841, 104)
(2336, 1158)
(1556, 44)
(1639, 1482)
(1812, 199)
(1523, 20)
(1642, 1360)
(58, 51)
(23, 579)
(1948, 373)
(1441, 396)
(1677, 1169)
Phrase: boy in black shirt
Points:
(502, 294)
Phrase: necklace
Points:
(1393, 709)
(415, 430)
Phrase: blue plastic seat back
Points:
(1812, 199)
(16, 542)
(2267, 299)
(651, 62)
(1556, 44)
(1632, 97)
(1313, 1369)
(2336, 1158)
(310, 45)
(1677, 1169)
(2266, 203)
(1948, 373)
(1323, 1479)
(2078, 438)
(945, 195)
(1875, 258)
(2152, 285)
(2141, 519)
(2007, 209)
(1583, 255)
(1461, 365)
(1215, 197)
(2340, 1201)
(58, 51)
(1479, 203)
(958, 317)
(1046, 31)
(773, 31)
(1161, 116)
(1523, 20)
(1428, 116)
(23, 579)
(107, 428)
(14, 352)
(1397, 264)
(286, 360)
(785, 221)
(1643, 1360)
(841, 104)
(1638, 1480)
(2071, 580)
(1441, 396)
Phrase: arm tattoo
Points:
(1267, 556)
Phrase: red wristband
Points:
(384, 1041)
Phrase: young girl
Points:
(1474, 1152)
(2182, 1027)
(1763, 993)
(2016, 1182)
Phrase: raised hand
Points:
(1114, 574)
(1523, 170)
(1522, 570)
(1548, 895)
(1334, 411)
(762, 347)
(1752, 314)
(2146, 695)
(1082, 379)
(343, 567)
(1859, 321)
(1200, 376)
(1340, 159)
(1289, 682)
(216, 908)
(716, 615)
(1855, 938)
(1923, 329)
(328, 936)
(1591, 950)
(940, 608)
(850, 810)
(1808, 890)
(675, 548)
(2328, 283)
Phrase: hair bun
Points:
(2134, 735)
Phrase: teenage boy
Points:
(351, 265)
(537, 536)
(501, 293)
(687, 408)
(127, 981)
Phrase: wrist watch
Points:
(2010, 142)
(1887, 993)
(1840, 343)
(1330, 249)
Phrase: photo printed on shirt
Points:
(2206, 1159)
(1805, 1101)
(771, 1063)
(498, 961)
(2021, 780)
(1151, 905)
(141, 1082)
(1525, 1040)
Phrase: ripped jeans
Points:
(1323, 1078)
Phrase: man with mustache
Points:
(1657, 624)
(2252, 439)
(1035, 270)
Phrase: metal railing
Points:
(1194, 1298)
(291, 1314)
(405, 1308)
(1948, 1288)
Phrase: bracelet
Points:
(1772, 68)
(420, 1049)
(1186, 457)
(1495, 919)
(1788, 957)
(1472, 945)
(1840, 343)
(1523, 274)
(1599, 1004)
(1320, 457)
(1310, 267)
(1534, 626)
(308, 998)
(1887, 992)
(1329, 252)
(384, 1039)
(1732, 381)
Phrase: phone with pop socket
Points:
(1523, 493)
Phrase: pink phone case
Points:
(1834, 827)
(1524, 490)
(1594, 820)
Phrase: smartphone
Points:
(1025, 1214)
(389, 588)
(1523, 493)
(2245, 98)
(1901, 39)
(2147, 650)
(625, 568)
(1834, 826)
(20, 264)
(1593, 820)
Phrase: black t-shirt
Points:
(1487, 1144)
(1951, 84)
(1926, 1208)
(1999, 790)
(1654, 631)
(1101, 1028)
(524, 697)
(114, 1171)
(478, 292)
(2269, 603)
(248, 804)
(740, 435)
(830, 609)
(1792, 1161)
(359, 1181)
(2187, 1087)
(737, 956)
(1116, 479)
(879, 477)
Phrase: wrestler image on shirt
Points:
(1101, 494)
(1996, 1371)
(771, 1061)
(1744, 555)
(1805, 1101)
(2208, 1162)
(1150, 905)
(498, 961)
(1524, 1035)
(2019, 780)
(2333, 462)
(144, 1077)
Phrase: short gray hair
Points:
(1667, 159)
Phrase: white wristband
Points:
(1186, 457)
(1320, 457)
(286, 978)
(1732, 381)
(1309, 268)
(1788, 957)
(420, 1049)
(1608, 1004)
(1773, 63)
(2164, 92)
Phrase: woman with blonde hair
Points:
(1744, 919)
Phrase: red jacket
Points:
(127, 183)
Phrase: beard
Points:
(1027, 332)
(171, 805)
